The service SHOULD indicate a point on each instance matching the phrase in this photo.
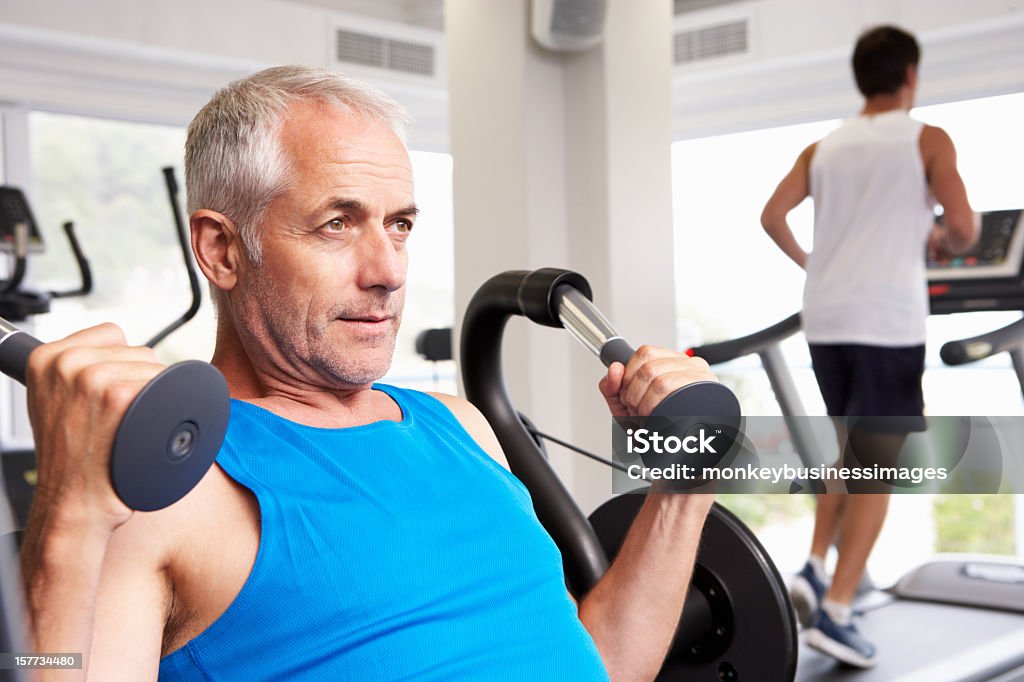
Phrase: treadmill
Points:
(956, 618)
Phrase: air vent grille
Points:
(384, 53)
(410, 57)
(710, 42)
(360, 48)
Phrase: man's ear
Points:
(911, 77)
(217, 247)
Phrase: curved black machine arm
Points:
(724, 351)
(557, 298)
(526, 293)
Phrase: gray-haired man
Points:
(350, 530)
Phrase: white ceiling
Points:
(426, 13)
(430, 13)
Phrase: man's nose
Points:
(381, 263)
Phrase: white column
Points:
(618, 146)
(565, 161)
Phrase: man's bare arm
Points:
(78, 389)
(793, 189)
(633, 611)
(959, 230)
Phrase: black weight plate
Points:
(762, 646)
(170, 435)
(702, 406)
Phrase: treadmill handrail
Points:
(1002, 340)
(724, 351)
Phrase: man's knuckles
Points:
(646, 373)
(697, 364)
(118, 395)
(663, 384)
(102, 335)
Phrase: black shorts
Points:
(872, 381)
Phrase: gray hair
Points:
(234, 163)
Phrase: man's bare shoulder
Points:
(807, 154)
(475, 424)
(937, 150)
(932, 133)
(184, 564)
(934, 140)
(150, 542)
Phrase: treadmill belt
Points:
(925, 642)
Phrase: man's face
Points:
(325, 304)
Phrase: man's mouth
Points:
(367, 319)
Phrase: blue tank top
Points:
(388, 551)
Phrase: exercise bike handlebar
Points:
(724, 351)
(963, 351)
(183, 242)
(83, 265)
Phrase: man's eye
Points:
(336, 225)
(403, 225)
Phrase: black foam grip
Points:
(538, 295)
(14, 352)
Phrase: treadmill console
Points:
(990, 276)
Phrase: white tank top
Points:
(873, 211)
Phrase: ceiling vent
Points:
(386, 49)
(726, 39)
(364, 49)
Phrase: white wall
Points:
(161, 61)
(564, 161)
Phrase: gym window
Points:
(732, 280)
(105, 175)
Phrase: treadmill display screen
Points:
(998, 253)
